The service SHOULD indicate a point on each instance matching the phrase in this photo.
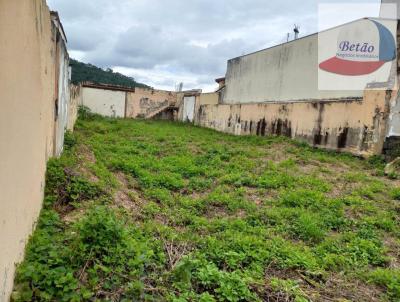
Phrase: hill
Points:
(82, 72)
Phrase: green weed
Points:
(171, 212)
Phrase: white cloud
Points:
(161, 42)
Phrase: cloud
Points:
(189, 40)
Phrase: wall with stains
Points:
(200, 99)
(286, 72)
(355, 125)
(105, 102)
(211, 98)
(28, 93)
(62, 87)
(147, 103)
(391, 147)
(115, 101)
(75, 102)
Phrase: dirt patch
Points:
(216, 212)
(126, 196)
(338, 289)
(258, 197)
(73, 216)
(393, 252)
(86, 157)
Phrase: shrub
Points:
(70, 140)
(84, 113)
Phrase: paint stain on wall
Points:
(342, 139)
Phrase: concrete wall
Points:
(276, 91)
(394, 117)
(114, 101)
(199, 99)
(75, 102)
(287, 72)
(354, 125)
(390, 9)
(210, 98)
(62, 87)
(108, 103)
(146, 103)
(28, 94)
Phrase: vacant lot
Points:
(156, 211)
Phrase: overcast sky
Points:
(164, 42)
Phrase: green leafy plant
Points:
(159, 211)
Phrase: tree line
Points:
(82, 72)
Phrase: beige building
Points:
(35, 108)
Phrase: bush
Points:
(70, 140)
(84, 113)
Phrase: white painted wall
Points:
(287, 72)
(104, 102)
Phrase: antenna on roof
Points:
(288, 37)
(296, 31)
(179, 87)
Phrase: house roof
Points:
(107, 87)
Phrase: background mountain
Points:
(82, 72)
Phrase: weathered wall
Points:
(391, 147)
(199, 99)
(75, 102)
(287, 72)
(146, 103)
(28, 97)
(62, 91)
(354, 125)
(210, 98)
(104, 102)
(121, 102)
(179, 104)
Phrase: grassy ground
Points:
(156, 211)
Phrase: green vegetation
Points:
(82, 72)
(159, 211)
